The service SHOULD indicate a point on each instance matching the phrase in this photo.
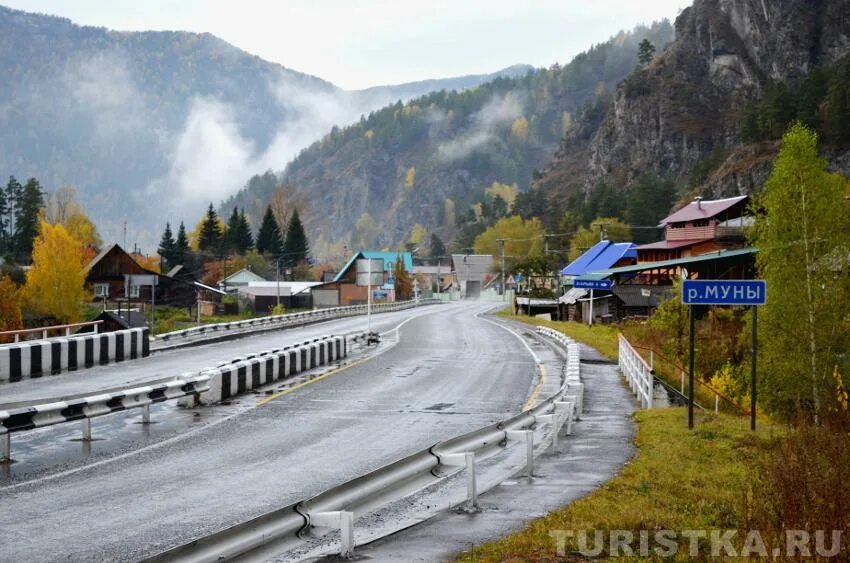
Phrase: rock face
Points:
(669, 116)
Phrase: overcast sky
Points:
(361, 43)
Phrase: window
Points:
(701, 223)
(134, 292)
(101, 290)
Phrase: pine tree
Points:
(232, 231)
(3, 237)
(269, 239)
(210, 237)
(26, 219)
(181, 246)
(295, 247)
(646, 52)
(438, 249)
(242, 238)
(837, 123)
(167, 247)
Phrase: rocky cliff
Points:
(688, 104)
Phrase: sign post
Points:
(582, 283)
(751, 293)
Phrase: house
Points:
(473, 272)
(238, 279)
(344, 290)
(263, 295)
(113, 275)
(430, 276)
(699, 228)
(601, 256)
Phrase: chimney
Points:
(698, 199)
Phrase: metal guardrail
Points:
(337, 508)
(84, 409)
(43, 330)
(275, 321)
(639, 375)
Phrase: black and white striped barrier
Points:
(218, 330)
(84, 409)
(229, 380)
(49, 357)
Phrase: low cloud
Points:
(497, 112)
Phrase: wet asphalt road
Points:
(171, 363)
(449, 373)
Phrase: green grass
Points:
(601, 337)
(679, 480)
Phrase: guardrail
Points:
(338, 508)
(45, 357)
(29, 418)
(639, 375)
(276, 321)
(16, 334)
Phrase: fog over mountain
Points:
(151, 126)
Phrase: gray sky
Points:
(361, 43)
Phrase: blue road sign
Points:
(724, 292)
(579, 283)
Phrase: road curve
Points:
(450, 372)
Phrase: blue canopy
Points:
(601, 256)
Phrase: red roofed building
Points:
(699, 228)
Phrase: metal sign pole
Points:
(691, 368)
(590, 317)
(369, 297)
(753, 372)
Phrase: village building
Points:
(343, 289)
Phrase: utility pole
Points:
(277, 261)
(504, 292)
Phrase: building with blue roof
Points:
(602, 256)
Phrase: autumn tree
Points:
(603, 228)
(55, 283)
(803, 237)
(10, 306)
(410, 179)
(522, 238)
(403, 282)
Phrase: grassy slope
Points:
(679, 479)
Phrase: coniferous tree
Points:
(14, 191)
(26, 219)
(167, 247)
(232, 231)
(838, 108)
(3, 237)
(210, 237)
(181, 245)
(269, 239)
(646, 52)
(295, 247)
(438, 249)
(242, 238)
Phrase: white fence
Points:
(637, 372)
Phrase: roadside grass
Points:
(679, 480)
(601, 337)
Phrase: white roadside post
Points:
(5, 445)
(466, 459)
(341, 520)
(528, 437)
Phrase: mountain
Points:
(151, 126)
(427, 164)
(708, 112)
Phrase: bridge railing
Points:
(638, 373)
(65, 330)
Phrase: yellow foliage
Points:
(505, 191)
(147, 262)
(409, 179)
(56, 282)
(418, 234)
(196, 232)
(369, 134)
(83, 229)
(522, 238)
(10, 306)
(566, 122)
(520, 128)
(479, 210)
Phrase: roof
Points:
(702, 209)
(115, 247)
(719, 255)
(208, 288)
(292, 287)
(174, 271)
(600, 256)
(127, 319)
(671, 244)
(472, 267)
(242, 276)
(389, 259)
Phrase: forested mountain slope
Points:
(425, 166)
(151, 126)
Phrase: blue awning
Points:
(601, 256)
